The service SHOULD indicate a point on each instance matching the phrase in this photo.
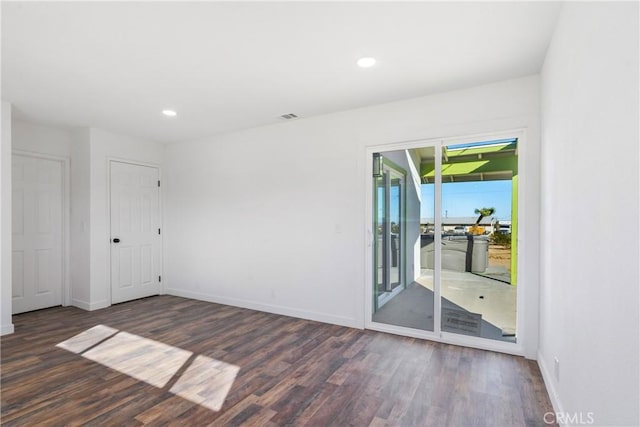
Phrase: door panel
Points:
(17, 272)
(135, 221)
(396, 184)
(478, 283)
(379, 227)
(37, 195)
(403, 256)
(389, 231)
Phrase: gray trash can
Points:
(480, 256)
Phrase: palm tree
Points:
(483, 212)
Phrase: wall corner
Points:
(5, 222)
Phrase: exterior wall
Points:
(413, 194)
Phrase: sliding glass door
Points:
(445, 238)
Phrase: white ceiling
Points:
(228, 66)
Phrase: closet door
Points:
(37, 215)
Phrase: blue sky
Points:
(462, 198)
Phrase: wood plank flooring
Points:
(290, 372)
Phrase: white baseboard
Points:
(550, 384)
(7, 329)
(275, 309)
(90, 306)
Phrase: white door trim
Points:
(444, 337)
(108, 216)
(66, 216)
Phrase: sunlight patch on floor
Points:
(143, 359)
(87, 339)
(205, 381)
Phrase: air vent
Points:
(289, 116)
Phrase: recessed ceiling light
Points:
(169, 113)
(366, 62)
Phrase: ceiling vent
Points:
(289, 116)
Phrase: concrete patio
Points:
(462, 291)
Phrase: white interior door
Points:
(37, 212)
(135, 231)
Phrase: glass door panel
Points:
(389, 229)
(478, 232)
(395, 229)
(380, 237)
(403, 246)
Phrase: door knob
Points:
(116, 240)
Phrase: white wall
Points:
(90, 150)
(36, 138)
(76, 145)
(273, 218)
(6, 327)
(49, 141)
(589, 291)
(80, 222)
(105, 146)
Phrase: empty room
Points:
(320, 213)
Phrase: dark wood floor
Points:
(292, 372)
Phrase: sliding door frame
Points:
(437, 335)
(402, 248)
